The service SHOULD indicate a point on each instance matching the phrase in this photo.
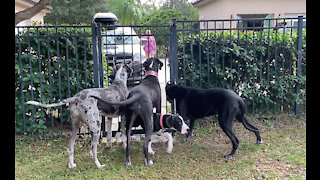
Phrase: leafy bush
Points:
(259, 66)
(161, 17)
(53, 62)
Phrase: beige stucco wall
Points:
(225, 9)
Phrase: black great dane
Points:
(194, 103)
(140, 102)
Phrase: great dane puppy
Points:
(140, 102)
(194, 103)
(162, 125)
(84, 108)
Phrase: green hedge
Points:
(35, 44)
(260, 66)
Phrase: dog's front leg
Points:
(158, 106)
(170, 141)
(128, 148)
(75, 128)
(109, 133)
(148, 131)
(130, 117)
(150, 150)
(123, 132)
(189, 135)
(147, 161)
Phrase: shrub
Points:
(53, 62)
(259, 66)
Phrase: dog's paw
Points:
(148, 163)
(124, 145)
(101, 166)
(127, 163)
(260, 142)
(72, 165)
(229, 156)
(109, 145)
(186, 139)
(133, 138)
(151, 152)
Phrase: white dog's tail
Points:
(63, 102)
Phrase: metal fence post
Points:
(173, 52)
(173, 56)
(300, 26)
(96, 71)
(94, 55)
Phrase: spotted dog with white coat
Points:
(84, 108)
(163, 125)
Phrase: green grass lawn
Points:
(281, 156)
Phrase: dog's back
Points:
(194, 102)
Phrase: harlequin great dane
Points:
(140, 102)
(193, 103)
(84, 108)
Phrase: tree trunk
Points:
(30, 12)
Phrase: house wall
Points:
(20, 6)
(226, 9)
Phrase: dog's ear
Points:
(114, 70)
(117, 66)
(170, 83)
(160, 63)
(169, 87)
(147, 63)
(129, 70)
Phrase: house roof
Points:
(198, 3)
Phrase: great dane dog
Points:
(194, 103)
(140, 102)
(84, 108)
(162, 125)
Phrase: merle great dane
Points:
(194, 103)
(84, 108)
(140, 102)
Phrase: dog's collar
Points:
(153, 73)
(161, 122)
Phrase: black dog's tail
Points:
(242, 106)
(120, 103)
(242, 117)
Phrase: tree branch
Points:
(30, 12)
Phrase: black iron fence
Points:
(112, 44)
(51, 63)
(261, 59)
